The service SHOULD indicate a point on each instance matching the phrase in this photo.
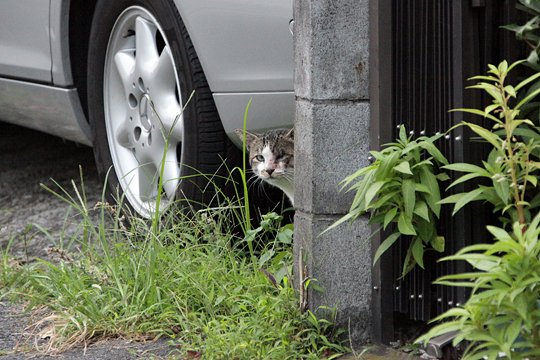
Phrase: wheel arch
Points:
(79, 36)
(242, 45)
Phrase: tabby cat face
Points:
(271, 154)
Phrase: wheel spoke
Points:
(164, 75)
(122, 134)
(125, 64)
(164, 96)
(171, 173)
(171, 118)
(145, 44)
(147, 182)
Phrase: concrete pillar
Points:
(331, 141)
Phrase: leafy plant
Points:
(401, 187)
(530, 34)
(512, 166)
(530, 31)
(502, 315)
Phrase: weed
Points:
(189, 279)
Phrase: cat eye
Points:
(259, 158)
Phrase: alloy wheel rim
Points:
(143, 110)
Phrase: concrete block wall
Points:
(331, 49)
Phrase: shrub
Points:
(401, 187)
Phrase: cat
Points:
(271, 156)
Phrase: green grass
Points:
(191, 279)
(210, 282)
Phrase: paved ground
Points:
(28, 159)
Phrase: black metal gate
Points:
(423, 52)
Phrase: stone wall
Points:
(331, 141)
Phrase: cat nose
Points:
(270, 171)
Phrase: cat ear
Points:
(290, 134)
(250, 137)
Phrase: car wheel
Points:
(142, 70)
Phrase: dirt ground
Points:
(27, 159)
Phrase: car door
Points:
(24, 40)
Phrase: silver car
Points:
(155, 86)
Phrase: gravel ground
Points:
(28, 159)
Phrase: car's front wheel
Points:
(142, 71)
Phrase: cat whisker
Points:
(256, 184)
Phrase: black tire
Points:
(204, 145)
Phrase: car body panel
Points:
(268, 110)
(25, 51)
(53, 110)
(243, 45)
(59, 35)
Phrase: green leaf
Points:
(385, 245)
(265, 257)
(433, 151)
(477, 112)
(404, 167)
(469, 168)
(384, 201)
(503, 67)
(421, 188)
(372, 191)
(285, 234)
(347, 217)
(425, 229)
(408, 264)
(418, 252)
(527, 81)
(491, 107)
(464, 178)
(361, 188)
(483, 77)
(510, 90)
(502, 190)
(491, 89)
(359, 173)
(428, 179)
(532, 5)
(499, 234)
(402, 133)
(441, 329)
(487, 135)
(405, 225)
(386, 166)
(389, 216)
(409, 196)
(421, 209)
(442, 177)
(466, 198)
(481, 262)
(527, 99)
(513, 331)
(452, 199)
(422, 163)
(438, 244)
(532, 179)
